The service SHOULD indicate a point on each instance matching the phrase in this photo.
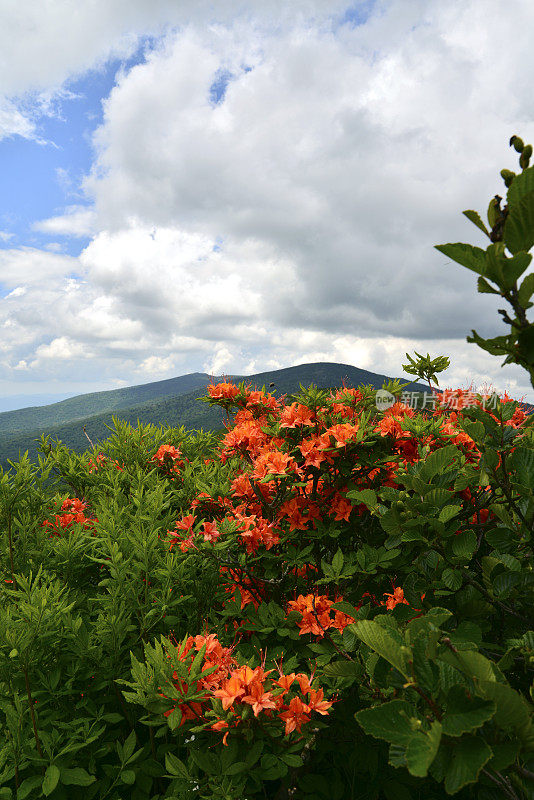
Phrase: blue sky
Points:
(263, 192)
(42, 177)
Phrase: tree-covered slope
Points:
(185, 408)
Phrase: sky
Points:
(233, 187)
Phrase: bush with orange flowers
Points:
(329, 599)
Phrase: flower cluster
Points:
(239, 689)
(316, 612)
(169, 459)
(72, 513)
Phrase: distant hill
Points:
(172, 402)
(86, 405)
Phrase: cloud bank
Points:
(266, 190)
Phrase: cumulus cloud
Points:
(44, 44)
(266, 195)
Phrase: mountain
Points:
(172, 403)
(86, 405)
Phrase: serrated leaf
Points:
(383, 643)
(519, 225)
(465, 713)
(422, 749)
(484, 287)
(390, 721)
(526, 290)
(474, 258)
(174, 718)
(471, 663)
(522, 184)
(474, 217)
(470, 754)
(452, 578)
(464, 545)
(513, 712)
(343, 669)
(448, 512)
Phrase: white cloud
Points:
(5, 236)
(77, 221)
(293, 221)
(44, 44)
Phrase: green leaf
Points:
(174, 766)
(28, 785)
(513, 712)
(474, 217)
(128, 747)
(292, 759)
(235, 768)
(522, 461)
(448, 512)
(208, 762)
(465, 713)
(519, 226)
(471, 663)
(474, 258)
(393, 721)
(337, 561)
(76, 777)
(343, 669)
(438, 462)
(422, 749)
(522, 185)
(128, 777)
(452, 578)
(468, 757)
(503, 755)
(526, 290)
(383, 643)
(464, 545)
(174, 718)
(365, 496)
(50, 780)
(254, 753)
(484, 287)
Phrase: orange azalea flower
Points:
(285, 682)
(220, 725)
(340, 507)
(295, 415)
(303, 682)
(223, 391)
(259, 699)
(342, 433)
(231, 690)
(295, 716)
(394, 599)
(316, 702)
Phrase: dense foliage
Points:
(332, 600)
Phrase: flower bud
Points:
(517, 143)
(507, 175)
(525, 156)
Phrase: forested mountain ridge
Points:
(173, 402)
